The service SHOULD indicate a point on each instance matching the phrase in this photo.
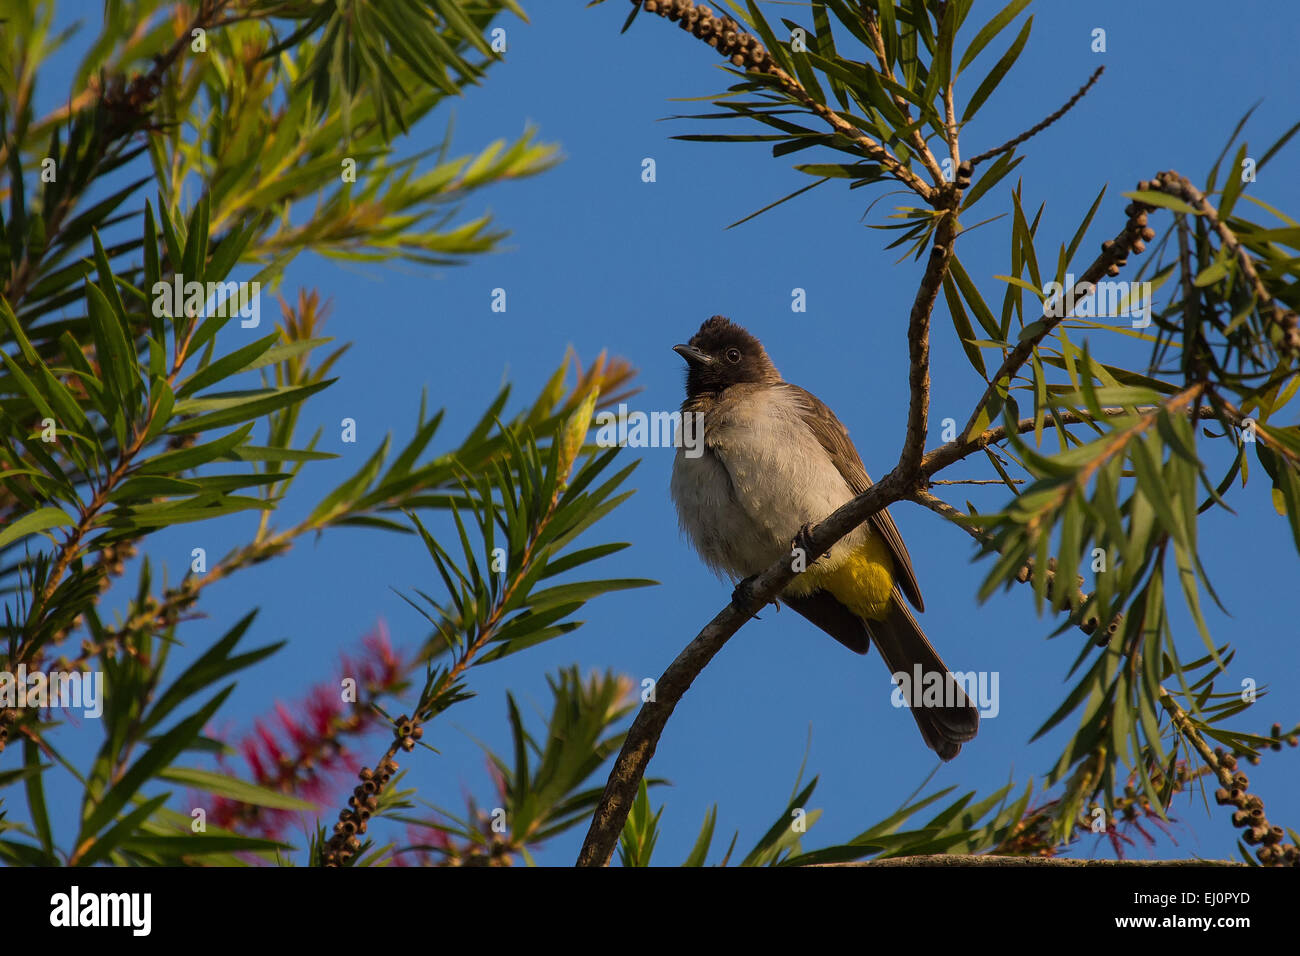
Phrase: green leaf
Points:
(224, 785)
(1003, 165)
(228, 365)
(28, 387)
(36, 798)
(973, 298)
(16, 330)
(962, 324)
(1233, 186)
(700, 851)
(833, 854)
(1211, 274)
(124, 828)
(583, 591)
(990, 30)
(265, 453)
(1153, 197)
(116, 358)
(1000, 69)
(184, 459)
(214, 664)
(200, 844)
(155, 759)
(235, 407)
(36, 521)
(1288, 488)
(780, 831)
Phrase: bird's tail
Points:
(949, 719)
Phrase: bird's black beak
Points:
(694, 357)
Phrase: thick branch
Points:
(918, 338)
(643, 737)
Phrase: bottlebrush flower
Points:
(306, 754)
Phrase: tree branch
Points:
(1286, 321)
(1035, 130)
(917, 141)
(918, 335)
(1249, 816)
(1114, 253)
(643, 737)
(745, 50)
(956, 450)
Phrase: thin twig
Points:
(917, 141)
(975, 481)
(955, 450)
(1173, 184)
(746, 51)
(1113, 254)
(1035, 130)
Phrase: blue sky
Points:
(599, 259)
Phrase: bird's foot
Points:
(742, 598)
(803, 540)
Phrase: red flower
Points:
(311, 760)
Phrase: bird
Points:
(775, 461)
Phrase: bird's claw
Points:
(743, 594)
(803, 539)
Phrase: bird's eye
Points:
(733, 356)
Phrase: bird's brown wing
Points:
(834, 437)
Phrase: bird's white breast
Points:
(762, 475)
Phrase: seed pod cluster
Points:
(1249, 814)
(964, 173)
(1136, 232)
(344, 844)
(1103, 636)
(1284, 320)
(722, 33)
(1290, 325)
(408, 731)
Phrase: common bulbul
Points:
(776, 461)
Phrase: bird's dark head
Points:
(721, 354)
